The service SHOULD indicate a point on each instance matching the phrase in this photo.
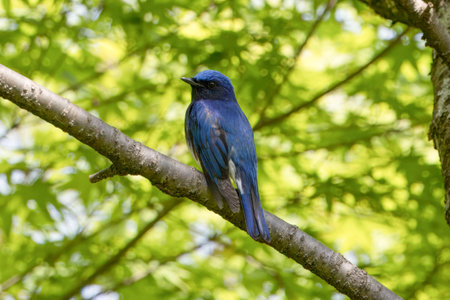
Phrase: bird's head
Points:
(211, 85)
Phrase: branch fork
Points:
(108, 172)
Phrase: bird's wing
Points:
(243, 169)
(207, 139)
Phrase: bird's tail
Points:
(254, 215)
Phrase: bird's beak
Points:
(191, 81)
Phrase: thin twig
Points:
(127, 56)
(270, 121)
(152, 269)
(299, 50)
(110, 171)
(427, 280)
(15, 125)
(112, 261)
(51, 258)
(380, 132)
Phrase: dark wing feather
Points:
(243, 156)
(208, 143)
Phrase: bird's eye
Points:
(211, 84)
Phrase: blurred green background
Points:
(350, 165)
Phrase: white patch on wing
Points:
(191, 149)
(232, 173)
(195, 157)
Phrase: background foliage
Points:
(353, 167)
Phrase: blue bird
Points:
(221, 140)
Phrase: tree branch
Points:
(298, 51)
(421, 14)
(435, 33)
(168, 206)
(179, 180)
(51, 258)
(281, 117)
(13, 126)
(151, 269)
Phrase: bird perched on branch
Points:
(221, 140)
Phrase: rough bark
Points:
(179, 180)
(390, 9)
(428, 16)
(440, 126)
(433, 18)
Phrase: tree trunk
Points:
(440, 126)
(433, 18)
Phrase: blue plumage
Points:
(221, 140)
